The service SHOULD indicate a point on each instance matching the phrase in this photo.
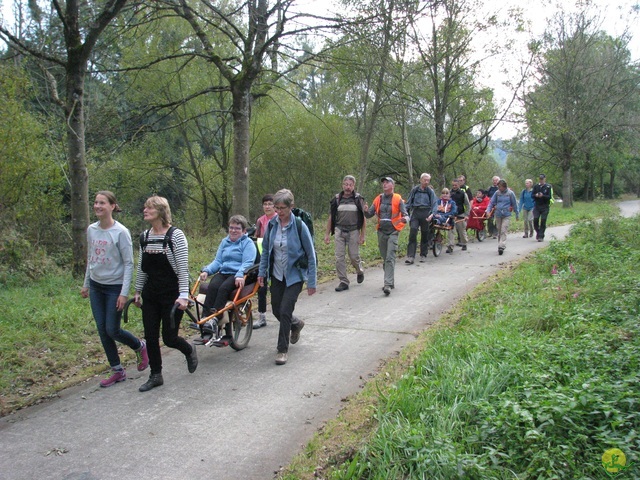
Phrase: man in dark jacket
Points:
(463, 207)
(541, 198)
(347, 223)
(421, 201)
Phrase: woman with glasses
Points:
(288, 260)
(235, 255)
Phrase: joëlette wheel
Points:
(241, 326)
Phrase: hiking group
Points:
(286, 253)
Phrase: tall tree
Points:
(258, 31)
(82, 23)
(462, 112)
(582, 79)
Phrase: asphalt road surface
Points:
(240, 416)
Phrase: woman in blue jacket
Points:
(526, 206)
(288, 260)
(502, 204)
(235, 255)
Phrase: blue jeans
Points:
(103, 305)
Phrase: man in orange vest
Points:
(391, 212)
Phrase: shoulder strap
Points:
(167, 238)
(144, 239)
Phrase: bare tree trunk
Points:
(78, 175)
(241, 140)
(567, 190)
(612, 181)
(407, 146)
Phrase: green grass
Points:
(49, 340)
(537, 378)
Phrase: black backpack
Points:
(166, 241)
(304, 216)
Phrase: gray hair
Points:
(349, 177)
(283, 196)
(425, 175)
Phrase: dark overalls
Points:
(158, 297)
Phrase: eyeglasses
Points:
(280, 208)
(235, 229)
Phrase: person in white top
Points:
(107, 282)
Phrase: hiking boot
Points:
(281, 358)
(343, 286)
(155, 380)
(500, 251)
(409, 261)
(142, 356)
(423, 258)
(360, 277)
(295, 333)
(386, 290)
(262, 321)
(115, 377)
(526, 235)
(449, 249)
(464, 248)
(192, 360)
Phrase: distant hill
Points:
(500, 154)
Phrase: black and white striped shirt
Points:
(178, 259)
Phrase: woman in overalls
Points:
(162, 281)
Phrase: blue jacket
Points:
(526, 200)
(233, 257)
(296, 248)
(504, 204)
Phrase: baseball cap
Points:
(542, 175)
(387, 179)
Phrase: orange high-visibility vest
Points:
(396, 214)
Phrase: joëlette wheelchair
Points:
(233, 329)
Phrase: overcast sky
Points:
(617, 15)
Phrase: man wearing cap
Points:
(392, 216)
(541, 199)
(420, 203)
(346, 221)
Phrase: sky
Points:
(616, 16)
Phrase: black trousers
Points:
(540, 214)
(283, 302)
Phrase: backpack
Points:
(166, 241)
(303, 216)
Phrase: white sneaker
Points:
(262, 321)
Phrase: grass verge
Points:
(535, 377)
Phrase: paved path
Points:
(239, 416)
